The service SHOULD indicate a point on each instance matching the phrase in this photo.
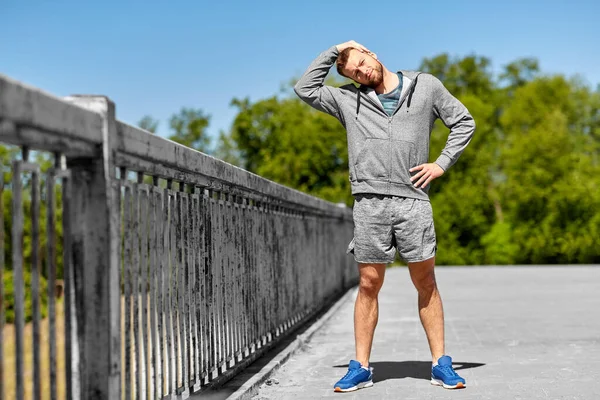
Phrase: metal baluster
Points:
(153, 216)
(163, 286)
(72, 383)
(127, 277)
(182, 284)
(35, 276)
(211, 285)
(135, 213)
(144, 348)
(171, 266)
(17, 259)
(204, 299)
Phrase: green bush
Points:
(9, 296)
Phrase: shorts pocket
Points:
(350, 249)
(429, 242)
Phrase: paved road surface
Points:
(513, 332)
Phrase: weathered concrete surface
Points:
(514, 333)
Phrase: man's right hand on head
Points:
(351, 43)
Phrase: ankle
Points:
(363, 363)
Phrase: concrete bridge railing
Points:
(179, 269)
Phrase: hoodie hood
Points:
(413, 76)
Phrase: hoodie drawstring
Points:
(357, 102)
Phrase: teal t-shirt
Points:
(390, 100)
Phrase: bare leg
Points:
(366, 309)
(431, 310)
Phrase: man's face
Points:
(364, 69)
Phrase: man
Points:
(388, 120)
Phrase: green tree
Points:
(283, 139)
(471, 74)
(465, 200)
(189, 128)
(9, 296)
(226, 150)
(148, 123)
(524, 190)
(520, 72)
(551, 186)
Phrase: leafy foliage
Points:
(149, 124)
(526, 190)
(286, 141)
(189, 129)
(9, 296)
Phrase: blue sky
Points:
(152, 57)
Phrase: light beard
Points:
(377, 77)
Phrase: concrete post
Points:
(96, 256)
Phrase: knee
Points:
(370, 285)
(426, 285)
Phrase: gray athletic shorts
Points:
(384, 224)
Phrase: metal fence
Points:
(179, 269)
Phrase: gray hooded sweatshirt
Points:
(382, 148)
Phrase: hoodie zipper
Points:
(390, 148)
(408, 93)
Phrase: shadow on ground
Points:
(384, 370)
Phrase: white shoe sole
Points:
(353, 388)
(438, 382)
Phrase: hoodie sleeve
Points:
(457, 118)
(311, 89)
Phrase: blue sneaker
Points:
(356, 378)
(444, 375)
